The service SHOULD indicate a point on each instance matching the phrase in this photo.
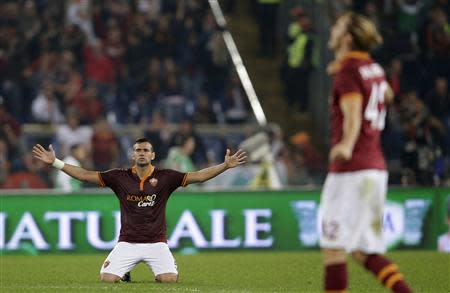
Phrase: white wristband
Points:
(58, 164)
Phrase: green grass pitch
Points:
(216, 272)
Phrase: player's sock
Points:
(387, 273)
(126, 278)
(336, 278)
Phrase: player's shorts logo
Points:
(153, 182)
(330, 229)
(106, 264)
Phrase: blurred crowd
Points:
(83, 67)
(416, 57)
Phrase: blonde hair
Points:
(363, 31)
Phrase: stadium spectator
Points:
(424, 137)
(395, 76)
(370, 10)
(157, 132)
(204, 112)
(29, 175)
(152, 8)
(41, 69)
(98, 66)
(307, 157)
(237, 106)
(299, 60)
(186, 129)
(174, 107)
(72, 133)
(216, 68)
(10, 128)
(73, 39)
(78, 13)
(163, 38)
(393, 139)
(438, 42)
(5, 164)
(45, 107)
(114, 47)
(152, 76)
(88, 104)
(76, 157)
(143, 236)
(141, 110)
(138, 46)
(68, 81)
(355, 188)
(104, 146)
(29, 23)
(192, 79)
(438, 99)
(179, 155)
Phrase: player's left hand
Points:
(237, 159)
(341, 152)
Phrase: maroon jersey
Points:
(142, 202)
(359, 74)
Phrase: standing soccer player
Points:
(354, 192)
(143, 191)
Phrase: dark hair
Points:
(182, 139)
(142, 139)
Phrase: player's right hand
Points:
(42, 154)
(340, 152)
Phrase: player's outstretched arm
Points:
(230, 161)
(48, 156)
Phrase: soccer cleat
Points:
(126, 278)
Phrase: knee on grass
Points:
(109, 278)
(167, 278)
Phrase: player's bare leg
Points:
(386, 272)
(335, 274)
(109, 278)
(167, 278)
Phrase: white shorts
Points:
(351, 211)
(125, 256)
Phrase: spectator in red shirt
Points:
(394, 75)
(28, 177)
(115, 47)
(98, 66)
(10, 128)
(88, 104)
(105, 146)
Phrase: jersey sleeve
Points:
(175, 179)
(109, 178)
(347, 82)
